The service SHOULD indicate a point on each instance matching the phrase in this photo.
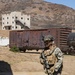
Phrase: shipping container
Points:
(33, 38)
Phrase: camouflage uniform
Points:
(52, 61)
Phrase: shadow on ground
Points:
(5, 68)
(33, 52)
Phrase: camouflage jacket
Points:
(59, 55)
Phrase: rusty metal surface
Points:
(32, 39)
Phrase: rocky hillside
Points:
(43, 14)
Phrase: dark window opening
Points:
(21, 17)
(16, 17)
(7, 22)
(21, 27)
(3, 22)
(24, 23)
(16, 22)
(3, 27)
(27, 18)
(13, 22)
(3, 18)
(8, 27)
(12, 26)
(16, 27)
(13, 17)
(7, 17)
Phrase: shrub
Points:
(34, 6)
(40, 8)
(14, 49)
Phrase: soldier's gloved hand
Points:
(56, 69)
(52, 69)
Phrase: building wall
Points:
(10, 21)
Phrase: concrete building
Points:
(15, 21)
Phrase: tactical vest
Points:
(50, 57)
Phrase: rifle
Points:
(45, 63)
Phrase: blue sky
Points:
(69, 3)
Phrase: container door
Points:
(19, 39)
(25, 39)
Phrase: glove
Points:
(51, 70)
(56, 69)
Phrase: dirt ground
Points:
(29, 62)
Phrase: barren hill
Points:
(43, 14)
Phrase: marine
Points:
(51, 57)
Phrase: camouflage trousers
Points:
(55, 73)
(59, 71)
(48, 72)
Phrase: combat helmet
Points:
(48, 38)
